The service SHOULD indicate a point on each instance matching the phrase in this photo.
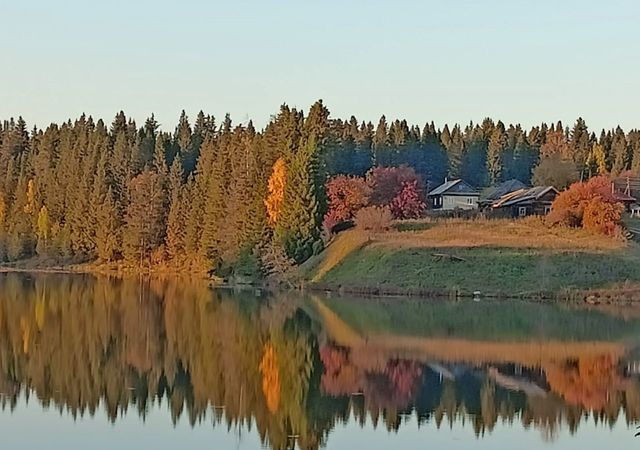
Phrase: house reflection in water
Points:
(295, 367)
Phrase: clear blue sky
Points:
(447, 61)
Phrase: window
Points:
(547, 210)
(469, 201)
(522, 211)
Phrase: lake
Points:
(101, 363)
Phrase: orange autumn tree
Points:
(270, 377)
(590, 205)
(602, 217)
(276, 186)
(587, 382)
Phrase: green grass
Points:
(489, 270)
(487, 320)
(502, 258)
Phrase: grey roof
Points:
(497, 191)
(523, 195)
(454, 187)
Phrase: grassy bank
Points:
(502, 258)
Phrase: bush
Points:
(602, 217)
(374, 218)
(409, 203)
(387, 182)
(346, 195)
(590, 205)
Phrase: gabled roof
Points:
(618, 194)
(494, 192)
(454, 187)
(523, 195)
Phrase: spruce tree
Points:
(108, 242)
(144, 220)
(580, 144)
(620, 152)
(175, 234)
(299, 228)
(495, 154)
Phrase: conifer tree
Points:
(144, 220)
(495, 154)
(299, 227)
(620, 152)
(108, 241)
(175, 234)
(580, 144)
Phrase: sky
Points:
(448, 61)
(59, 431)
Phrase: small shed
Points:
(454, 194)
(526, 202)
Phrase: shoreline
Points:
(623, 296)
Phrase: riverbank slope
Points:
(499, 258)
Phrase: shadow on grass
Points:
(413, 226)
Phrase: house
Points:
(622, 195)
(494, 193)
(526, 202)
(454, 194)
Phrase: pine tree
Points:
(580, 143)
(183, 141)
(107, 238)
(175, 234)
(144, 221)
(160, 155)
(474, 163)
(298, 230)
(144, 148)
(381, 142)
(495, 154)
(620, 152)
(455, 152)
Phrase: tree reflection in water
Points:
(294, 367)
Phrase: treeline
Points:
(228, 198)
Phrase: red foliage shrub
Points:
(346, 195)
(387, 182)
(409, 203)
(593, 198)
(400, 188)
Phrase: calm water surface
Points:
(97, 363)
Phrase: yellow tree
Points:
(31, 200)
(275, 197)
(270, 378)
(43, 228)
(3, 211)
(597, 160)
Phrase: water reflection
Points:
(294, 367)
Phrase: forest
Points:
(214, 196)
